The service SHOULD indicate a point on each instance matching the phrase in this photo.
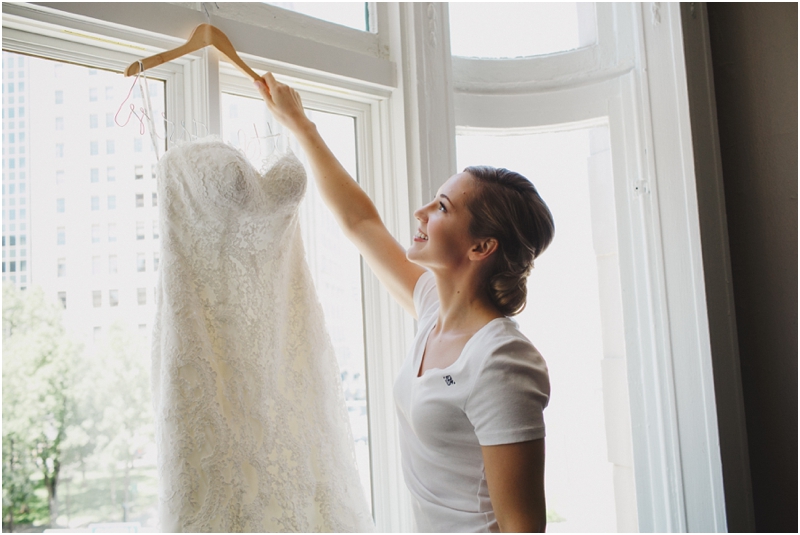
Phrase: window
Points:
(94, 174)
(112, 264)
(155, 230)
(59, 150)
(138, 172)
(60, 178)
(11, 113)
(140, 230)
(11, 240)
(23, 264)
(93, 94)
(62, 296)
(96, 270)
(111, 174)
(60, 206)
(137, 144)
(61, 237)
(155, 261)
(59, 123)
(12, 215)
(13, 265)
(112, 202)
(153, 171)
(112, 232)
(109, 146)
(140, 200)
(113, 298)
(140, 262)
(510, 30)
(97, 299)
(22, 239)
(351, 14)
(109, 93)
(96, 333)
(94, 148)
(93, 121)
(95, 203)
(59, 97)
(109, 120)
(141, 295)
(95, 233)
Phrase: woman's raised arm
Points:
(351, 206)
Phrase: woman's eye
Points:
(441, 207)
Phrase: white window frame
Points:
(330, 77)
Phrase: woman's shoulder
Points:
(504, 344)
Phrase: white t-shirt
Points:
(494, 393)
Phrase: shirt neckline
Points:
(418, 365)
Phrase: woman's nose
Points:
(419, 215)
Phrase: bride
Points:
(471, 393)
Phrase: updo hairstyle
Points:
(506, 206)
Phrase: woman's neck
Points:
(463, 303)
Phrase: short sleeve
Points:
(508, 400)
(425, 296)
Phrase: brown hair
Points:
(506, 206)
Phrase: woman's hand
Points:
(284, 103)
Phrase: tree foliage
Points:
(40, 371)
(67, 409)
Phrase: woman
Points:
(470, 395)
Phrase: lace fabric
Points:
(251, 426)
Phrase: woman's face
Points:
(442, 240)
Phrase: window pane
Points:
(350, 14)
(512, 29)
(112, 376)
(564, 299)
(334, 262)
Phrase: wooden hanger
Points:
(202, 36)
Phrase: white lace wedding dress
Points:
(251, 426)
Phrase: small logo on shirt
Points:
(448, 380)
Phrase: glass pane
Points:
(101, 367)
(512, 29)
(564, 299)
(350, 14)
(334, 261)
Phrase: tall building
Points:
(16, 139)
(80, 214)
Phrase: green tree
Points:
(40, 370)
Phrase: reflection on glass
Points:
(350, 14)
(512, 29)
(562, 319)
(99, 367)
(333, 260)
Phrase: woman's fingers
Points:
(283, 101)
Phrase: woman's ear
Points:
(483, 249)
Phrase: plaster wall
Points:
(754, 53)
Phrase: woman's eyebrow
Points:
(446, 197)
